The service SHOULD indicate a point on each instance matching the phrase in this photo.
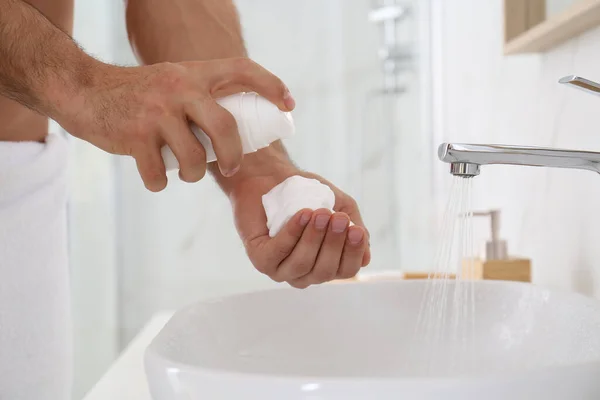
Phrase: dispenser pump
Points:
(495, 248)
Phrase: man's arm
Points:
(314, 247)
(187, 30)
(41, 67)
(184, 30)
(129, 111)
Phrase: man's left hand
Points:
(313, 247)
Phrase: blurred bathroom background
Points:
(378, 85)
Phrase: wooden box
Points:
(513, 269)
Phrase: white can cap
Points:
(259, 123)
(263, 123)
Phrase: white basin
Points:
(366, 341)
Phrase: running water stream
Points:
(445, 326)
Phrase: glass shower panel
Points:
(395, 140)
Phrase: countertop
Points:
(126, 380)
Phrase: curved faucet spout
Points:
(465, 159)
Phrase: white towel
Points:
(35, 318)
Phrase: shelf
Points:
(580, 17)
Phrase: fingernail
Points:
(305, 217)
(339, 224)
(355, 236)
(288, 100)
(230, 173)
(321, 221)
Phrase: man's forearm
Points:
(185, 30)
(41, 67)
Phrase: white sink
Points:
(364, 341)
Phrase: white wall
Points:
(92, 224)
(549, 216)
(554, 7)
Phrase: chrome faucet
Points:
(466, 159)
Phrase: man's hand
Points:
(307, 250)
(314, 247)
(135, 111)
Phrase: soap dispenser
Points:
(497, 265)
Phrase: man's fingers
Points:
(366, 257)
(270, 252)
(330, 253)
(302, 259)
(245, 72)
(151, 167)
(355, 216)
(187, 149)
(354, 253)
(220, 126)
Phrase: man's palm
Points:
(314, 247)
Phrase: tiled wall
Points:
(550, 216)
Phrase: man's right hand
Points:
(136, 110)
